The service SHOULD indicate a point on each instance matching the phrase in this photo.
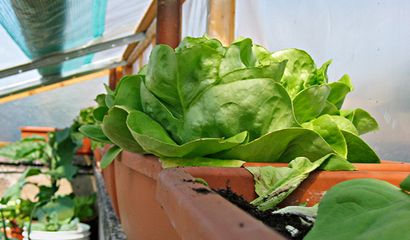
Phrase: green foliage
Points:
(241, 102)
(273, 185)
(362, 209)
(84, 207)
(28, 150)
(52, 212)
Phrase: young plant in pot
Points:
(56, 215)
(204, 104)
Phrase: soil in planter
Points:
(289, 225)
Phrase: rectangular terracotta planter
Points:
(143, 195)
(140, 214)
(108, 176)
(206, 215)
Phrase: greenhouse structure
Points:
(204, 119)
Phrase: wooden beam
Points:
(150, 36)
(146, 21)
(169, 14)
(221, 20)
(54, 86)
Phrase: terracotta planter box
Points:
(108, 176)
(197, 215)
(150, 208)
(140, 214)
(29, 131)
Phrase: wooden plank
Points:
(150, 36)
(54, 86)
(221, 20)
(146, 21)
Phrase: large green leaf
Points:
(339, 90)
(358, 151)
(154, 139)
(330, 132)
(309, 103)
(405, 184)
(61, 208)
(196, 71)
(364, 209)
(300, 69)
(281, 146)
(219, 113)
(109, 156)
(162, 76)
(344, 124)
(115, 128)
(273, 71)
(199, 162)
(275, 184)
(153, 107)
(238, 56)
(362, 120)
(127, 93)
(95, 133)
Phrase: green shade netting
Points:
(42, 27)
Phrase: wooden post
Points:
(221, 20)
(169, 22)
(112, 79)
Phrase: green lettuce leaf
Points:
(154, 139)
(199, 162)
(273, 185)
(364, 209)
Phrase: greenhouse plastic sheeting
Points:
(56, 108)
(44, 26)
(369, 40)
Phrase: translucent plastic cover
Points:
(369, 40)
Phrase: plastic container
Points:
(82, 233)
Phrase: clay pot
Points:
(29, 131)
(85, 148)
(151, 206)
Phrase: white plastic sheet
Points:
(369, 40)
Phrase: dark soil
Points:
(276, 221)
(202, 190)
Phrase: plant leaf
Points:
(277, 189)
(217, 113)
(405, 184)
(109, 156)
(154, 139)
(300, 69)
(364, 209)
(199, 162)
(363, 121)
(273, 71)
(330, 132)
(127, 93)
(280, 146)
(95, 133)
(339, 90)
(115, 128)
(358, 151)
(309, 103)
